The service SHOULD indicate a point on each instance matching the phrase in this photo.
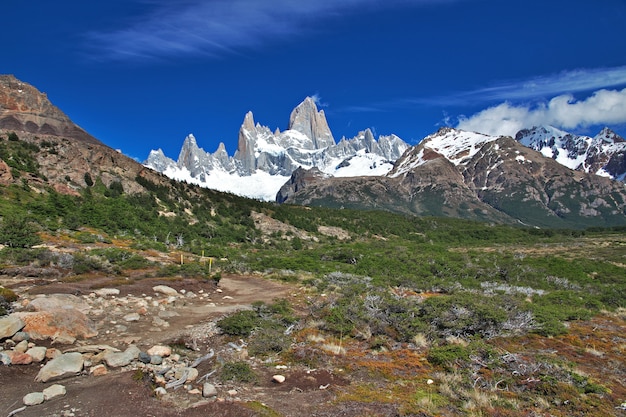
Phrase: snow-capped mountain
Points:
(455, 173)
(265, 160)
(604, 154)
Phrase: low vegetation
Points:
(433, 316)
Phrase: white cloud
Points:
(603, 107)
(221, 26)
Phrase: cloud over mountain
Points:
(603, 107)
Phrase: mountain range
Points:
(543, 177)
(265, 160)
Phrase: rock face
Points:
(311, 123)
(23, 108)
(469, 175)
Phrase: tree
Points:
(88, 179)
(18, 232)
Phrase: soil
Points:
(122, 393)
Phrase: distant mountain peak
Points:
(306, 119)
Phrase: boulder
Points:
(59, 302)
(9, 325)
(103, 292)
(33, 398)
(119, 359)
(67, 364)
(19, 358)
(98, 370)
(21, 346)
(38, 353)
(165, 290)
(160, 350)
(20, 336)
(64, 324)
(192, 373)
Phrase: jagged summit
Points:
(274, 156)
(604, 154)
(306, 119)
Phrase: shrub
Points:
(238, 371)
(241, 323)
(269, 340)
(18, 232)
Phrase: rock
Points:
(278, 379)
(192, 373)
(19, 358)
(33, 398)
(65, 365)
(160, 350)
(61, 325)
(53, 353)
(21, 346)
(5, 359)
(160, 391)
(227, 297)
(20, 336)
(119, 359)
(194, 391)
(38, 353)
(9, 325)
(98, 370)
(54, 302)
(132, 317)
(103, 292)
(54, 391)
(209, 390)
(144, 357)
(157, 321)
(165, 290)
(156, 360)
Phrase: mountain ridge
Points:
(266, 156)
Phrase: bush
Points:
(18, 232)
(241, 323)
(238, 371)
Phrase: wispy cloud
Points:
(550, 85)
(603, 107)
(220, 26)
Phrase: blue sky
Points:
(142, 74)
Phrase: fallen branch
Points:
(179, 382)
(203, 358)
(18, 410)
(206, 376)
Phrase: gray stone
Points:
(9, 325)
(54, 391)
(53, 302)
(21, 346)
(156, 360)
(38, 353)
(165, 290)
(20, 336)
(209, 390)
(103, 292)
(192, 373)
(119, 359)
(33, 398)
(144, 357)
(5, 359)
(132, 317)
(65, 365)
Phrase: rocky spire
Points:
(307, 120)
(245, 146)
